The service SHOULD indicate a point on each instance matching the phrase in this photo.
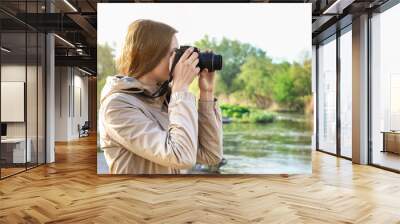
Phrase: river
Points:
(280, 147)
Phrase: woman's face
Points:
(161, 71)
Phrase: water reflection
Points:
(283, 146)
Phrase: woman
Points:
(158, 135)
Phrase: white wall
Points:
(61, 103)
(70, 84)
(79, 112)
(16, 73)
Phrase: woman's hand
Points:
(206, 84)
(185, 70)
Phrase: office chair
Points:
(84, 130)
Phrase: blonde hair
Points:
(146, 43)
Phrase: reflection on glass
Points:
(15, 151)
(327, 97)
(280, 147)
(386, 89)
(41, 98)
(31, 97)
(394, 102)
(22, 91)
(346, 94)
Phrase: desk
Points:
(13, 150)
(391, 141)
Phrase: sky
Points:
(282, 30)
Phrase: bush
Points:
(234, 111)
(257, 116)
(246, 115)
(261, 117)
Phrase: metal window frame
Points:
(340, 31)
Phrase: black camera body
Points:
(207, 60)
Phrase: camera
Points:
(207, 60)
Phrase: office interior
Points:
(48, 81)
(48, 127)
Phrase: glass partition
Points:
(22, 101)
(346, 94)
(14, 153)
(31, 97)
(41, 96)
(327, 96)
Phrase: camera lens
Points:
(207, 60)
(210, 61)
(217, 62)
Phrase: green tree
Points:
(234, 54)
(283, 87)
(105, 66)
(292, 84)
(248, 73)
(254, 80)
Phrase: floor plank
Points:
(70, 191)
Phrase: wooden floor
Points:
(10, 171)
(70, 191)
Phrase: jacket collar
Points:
(127, 84)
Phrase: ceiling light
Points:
(5, 49)
(86, 72)
(338, 6)
(64, 40)
(70, 5)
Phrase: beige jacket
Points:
(140, 135)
